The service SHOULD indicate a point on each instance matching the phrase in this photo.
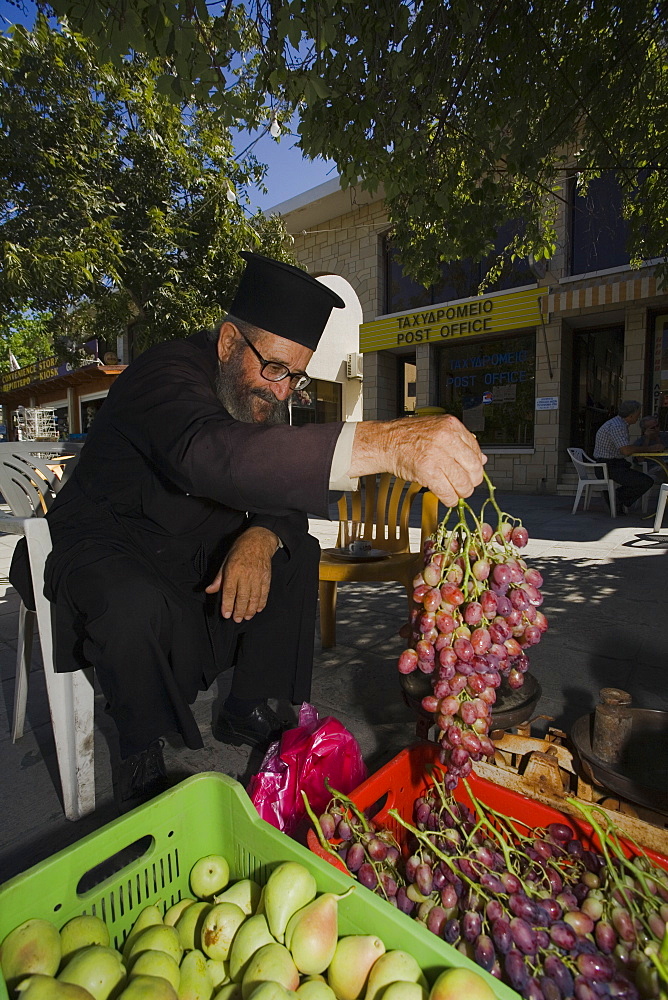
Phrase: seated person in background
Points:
(650, 436)
(613, 446)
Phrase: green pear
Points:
(175, 911)
(40, 987)
(81, 931)
(271, 991)
(220, 925)
(252, 934)
(148, 988)
(270, 963)
(455, 983)
(195, 979)
(246, 894)
(231, 991)
(312, 934)
(98, 969)
(33, 946)
(189, 925)
(353, 958)
(148, 917)
(157, 963)
(289, 887)
(219, 972)
(392, 967)
(406, 991)
(314, 990)
(160, 937)
(209, 876)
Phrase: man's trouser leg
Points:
(632, 484)
(274, 657)
(125, 623)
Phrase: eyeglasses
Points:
(274, 371)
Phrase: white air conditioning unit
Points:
(354, 366)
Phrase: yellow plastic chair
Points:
(377, 515)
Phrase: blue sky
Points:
(289, 173)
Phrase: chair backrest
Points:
(585, 466)
(32, 472)
(382, 508)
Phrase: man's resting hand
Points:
(437, 452)
(245, 575)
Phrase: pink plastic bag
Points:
(316, 749)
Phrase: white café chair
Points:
(28, 485)
(660, 507)
(588, 479)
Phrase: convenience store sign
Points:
(450, 321)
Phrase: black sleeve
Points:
(168, 409)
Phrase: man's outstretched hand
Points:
(437, 452)
(245, 576)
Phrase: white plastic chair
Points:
(28, 486)
(588, 480)
(660, 506)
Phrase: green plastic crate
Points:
(206, 814)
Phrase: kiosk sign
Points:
(44, 369)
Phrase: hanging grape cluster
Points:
(475, 615)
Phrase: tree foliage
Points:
(26, 335)
(469, 113)
(120, 206)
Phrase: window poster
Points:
(490, 386)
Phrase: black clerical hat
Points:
(284, 300)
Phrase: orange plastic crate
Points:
(406, 776)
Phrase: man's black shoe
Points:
(259, 728)
(140, 777)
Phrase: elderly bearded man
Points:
(180, 543)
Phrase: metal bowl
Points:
(641, 775)
(512, 707)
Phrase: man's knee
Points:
(118, 591)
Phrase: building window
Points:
(63, 422)
(319, 403)
(490, 386)
(459, 279)
(406, 385)
(89, 408)
(598, 230)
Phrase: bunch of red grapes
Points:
(475, 615)
(538, 908)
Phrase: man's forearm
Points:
(437, 452)
(371, 448)
(633, 449)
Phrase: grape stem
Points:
(324, 843)
(484, 822)
(609, 844)
(349, 804)
(422, 836)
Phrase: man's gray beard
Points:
(237, 396)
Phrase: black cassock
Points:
(165, 482)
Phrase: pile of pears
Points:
(227, 942)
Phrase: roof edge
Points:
(321, 203)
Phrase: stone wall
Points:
(349, 245)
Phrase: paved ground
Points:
(605, 597)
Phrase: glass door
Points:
(598, 357)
